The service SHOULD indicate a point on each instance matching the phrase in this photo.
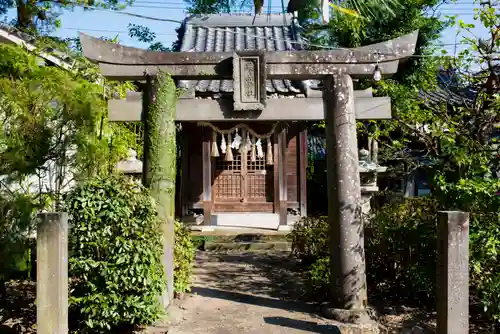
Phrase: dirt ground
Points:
(17, 309)
(249, 293)
(241, 293)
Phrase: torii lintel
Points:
(128, 63)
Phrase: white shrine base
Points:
(241, 220)
(246, 220)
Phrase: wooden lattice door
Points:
(243, 185)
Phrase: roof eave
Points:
(7, 37)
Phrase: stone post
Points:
(344, 204)
(52, 273)
(453, 273)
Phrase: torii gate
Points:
(249, 70)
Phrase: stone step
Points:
(246, 246)
(240, 239)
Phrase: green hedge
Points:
(400, 248)
(17, 216)
(116, 247)
(184, 252)
(309, 239)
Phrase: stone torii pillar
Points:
(249, 69)
(344, 204)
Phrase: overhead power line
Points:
(326, 47)
(114, 31)
(278, 9)
(457, 11)
(175, 34)
(461, 4)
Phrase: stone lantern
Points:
(368, 170)
(131, 166)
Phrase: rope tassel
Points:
(253, 155)
(270, 160)
(248, 142)
(244, 144)
(229, 150)
(215, 149)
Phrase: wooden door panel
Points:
(256, 187)
(228, 187)
(243, 185)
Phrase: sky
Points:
(110, 24)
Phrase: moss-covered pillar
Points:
(159, 100)
(349, 294)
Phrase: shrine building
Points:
(243, 142)
(244, 155)
(258, 159)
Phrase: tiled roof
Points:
(442, 95)
(230, 32)
(11, 35)
(447, 91)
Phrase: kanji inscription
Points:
(249, 89)
(249, 75)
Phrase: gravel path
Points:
(237, 293)
(246, 293)
(250, 293)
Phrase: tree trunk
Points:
(25, 11)
(258, 6)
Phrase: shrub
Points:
(116, 248)
(17, 213)
(309, 239)
(478, 197)
(400, 248)
(184, 252)
(317, 280)
(484, 262)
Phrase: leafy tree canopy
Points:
(54, 116)
(145, 35)
(458, 140)
(217, 6)
(34, 16)
(454, 143)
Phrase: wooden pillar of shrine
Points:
(207, 176)
(280, 164)
(303, 172)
